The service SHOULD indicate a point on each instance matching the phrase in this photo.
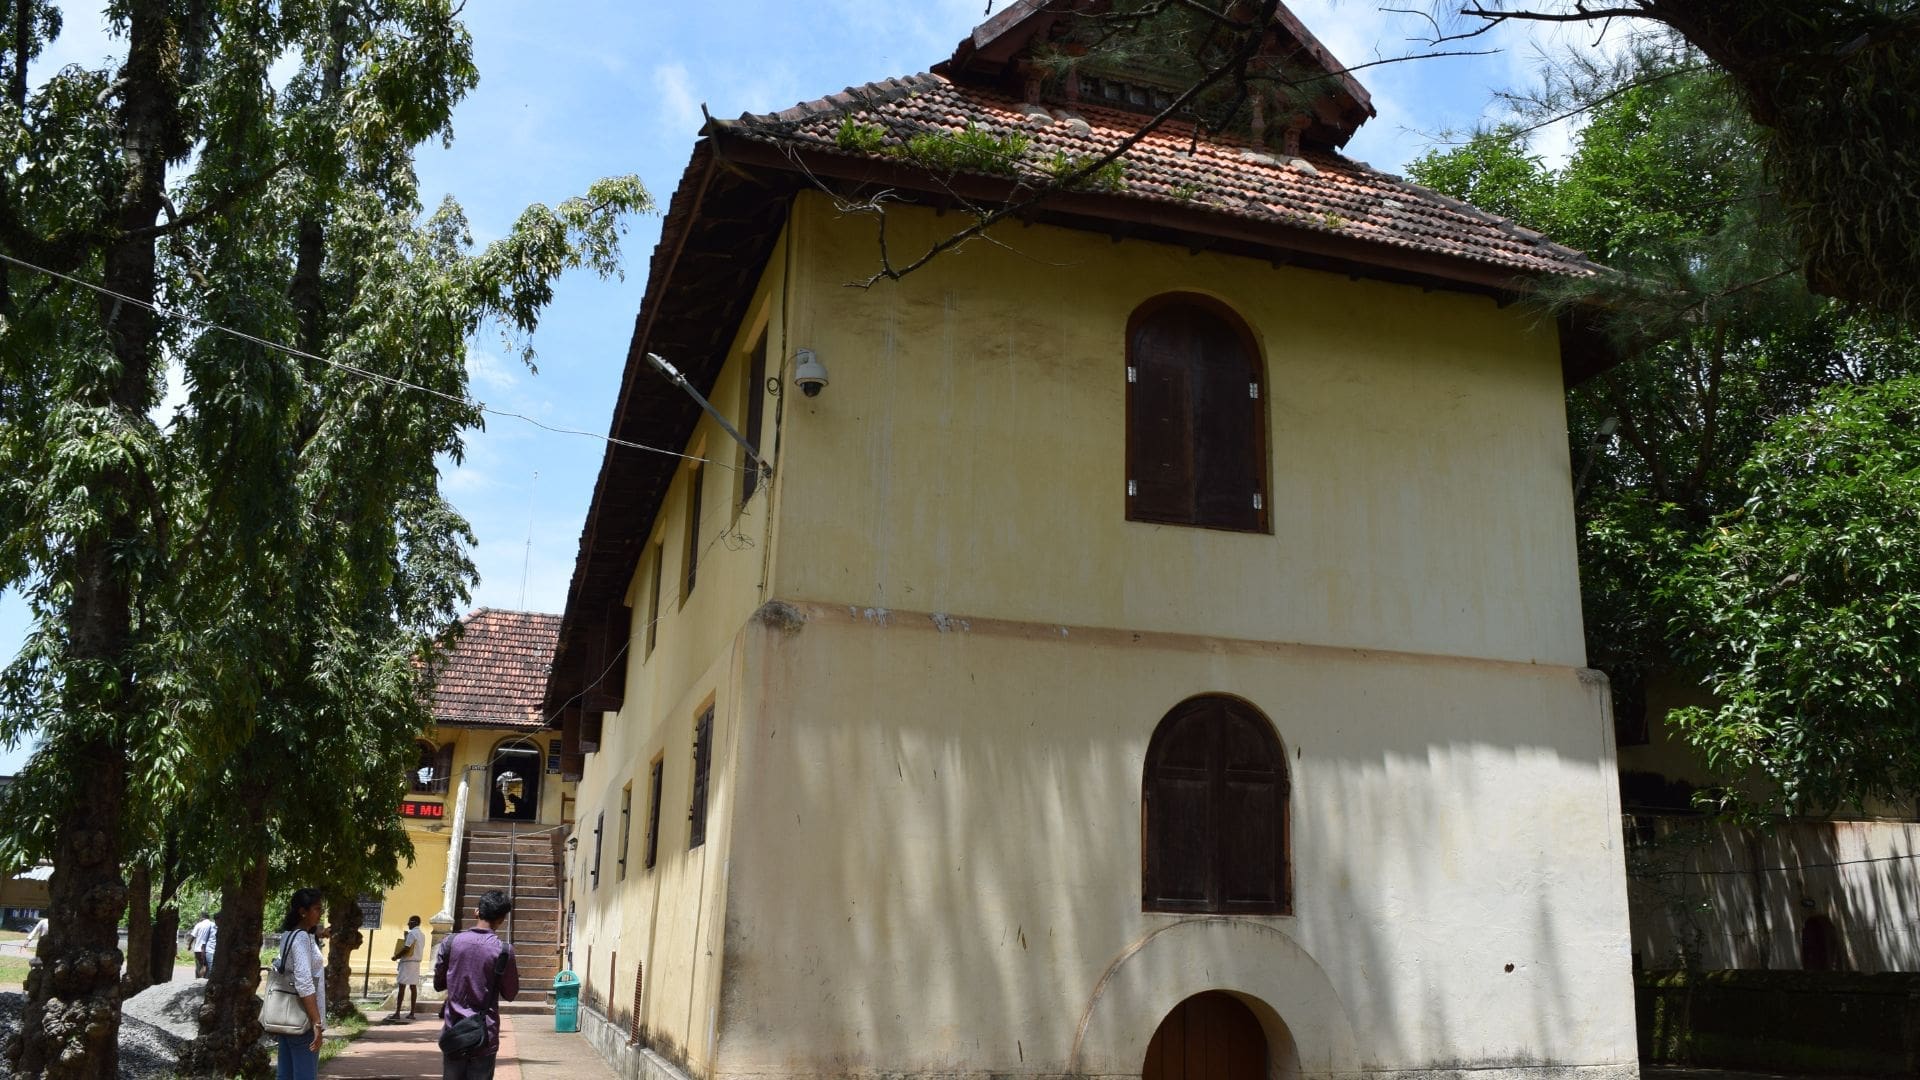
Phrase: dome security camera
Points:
(809, 372)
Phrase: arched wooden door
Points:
(1210, 1036)
(513, 783)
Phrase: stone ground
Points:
(529, 1050)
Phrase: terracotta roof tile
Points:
(1321, 191)
(496, 672)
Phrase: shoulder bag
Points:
(464, 1037)
(284, 1013)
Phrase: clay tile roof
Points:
(1320, 192)
(495, 674)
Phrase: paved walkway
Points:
(1688, 1073)
(1678, 1072)
(529, 1050)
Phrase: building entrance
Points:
(1210, 1036)
(513, 783)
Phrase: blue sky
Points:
(572, 90)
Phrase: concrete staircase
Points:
(522, 863)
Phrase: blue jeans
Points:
(296, 1062)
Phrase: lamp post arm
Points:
(673, 375)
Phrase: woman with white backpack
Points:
(296, 1004)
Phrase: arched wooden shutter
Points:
(1214, 803)
(1196, 420)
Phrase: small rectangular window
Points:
(695, 476)
(626, 826)
(753, 394)
(599, 826)
(659, 552)
(702, 762)
(653, 813)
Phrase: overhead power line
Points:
(351, 368)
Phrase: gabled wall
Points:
(935, 677)
(969, 456)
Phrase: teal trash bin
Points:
(566, 1002)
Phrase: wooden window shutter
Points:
(695, 481)
(754, 395)
(702, 764)
(653, 814)
(1214, 806)
(599, 830)
(1160, 459)
(1196, 417)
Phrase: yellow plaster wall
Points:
(668, 918)
(969, 454)
(422, 884)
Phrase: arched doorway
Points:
(1819, 945)
(513, 782)
(1210, 1036)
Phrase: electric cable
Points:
(351, 368)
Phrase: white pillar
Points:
(443, 923)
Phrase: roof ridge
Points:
(866, 94)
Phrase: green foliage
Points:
(858, 137)
(1805, 603)
(236, 609)
(1111, 176)
(1495, 171)
(1722, 339)
(972, 149)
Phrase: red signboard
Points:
(422, 809)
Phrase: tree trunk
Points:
(138, 976)
(229, 1042)
(165, 948)
(71, 1026)
(343, 915)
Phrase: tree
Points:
(244, 599)
(1804, 602)
(1722, 338)
(1831, 87)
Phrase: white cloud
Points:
(490, 372)
(679, 105)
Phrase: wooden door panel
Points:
(1210, 1036)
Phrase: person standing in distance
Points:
(197, 944)
(465, 970)
(299, 1056)
(406, 973)
(32, 944)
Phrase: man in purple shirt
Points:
(464, 969)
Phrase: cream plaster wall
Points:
(936, 861)
(923, 852)
(969, 455)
